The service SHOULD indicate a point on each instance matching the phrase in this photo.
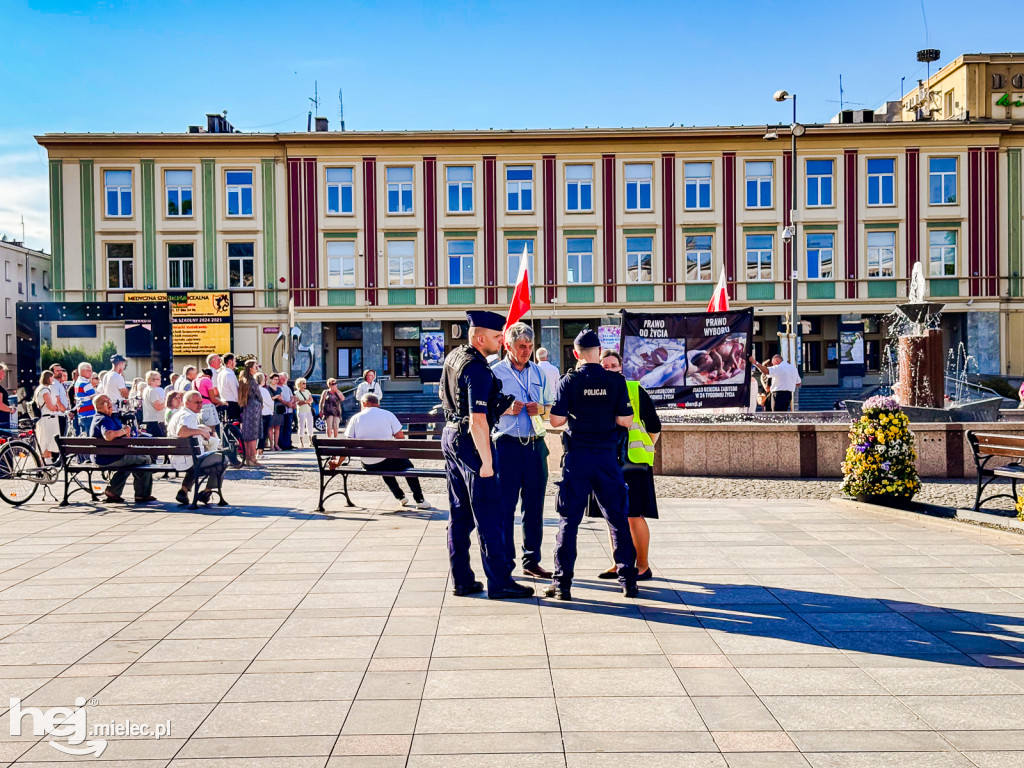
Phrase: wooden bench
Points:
(77, 457)
(330, 449)
(987, 446)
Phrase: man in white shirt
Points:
(785, 381)
(185, 423)
(374, 423)
(227, 386)
(550, 371)
(115, 387)
(60, 377)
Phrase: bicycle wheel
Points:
(19, 466)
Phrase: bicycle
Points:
(230, 439)
(22, 469)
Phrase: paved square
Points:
(777, 633)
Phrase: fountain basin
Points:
(920, 312)
(973, 410)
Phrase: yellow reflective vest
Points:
(641, 446)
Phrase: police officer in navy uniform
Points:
(473, 401)
(592, 401)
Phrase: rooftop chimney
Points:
(218, 123)
(321, 124)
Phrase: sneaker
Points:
(422, 504)
(630, 590)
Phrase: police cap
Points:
(482, 319)
(586, 339)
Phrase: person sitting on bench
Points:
(106, 425)
(375, 423)
(185, 423)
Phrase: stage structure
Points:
(145, 317)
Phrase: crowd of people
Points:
(283, 420)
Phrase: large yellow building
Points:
(364, 240)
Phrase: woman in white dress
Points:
(48, 426)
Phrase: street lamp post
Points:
(790, 232)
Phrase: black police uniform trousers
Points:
(598, 471)
(524, 473)
(474, 501)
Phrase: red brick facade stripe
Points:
(430, 226)
(295, 240)
(312, 272)
(609, 230)
(490, 229)
(974, 218)
(850, 210)
(913, 210)
(729, 220)
(992, 219)
(370, 227)
(787, 211)
(550, 251)
(668, 222)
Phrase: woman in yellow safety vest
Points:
(638, 469)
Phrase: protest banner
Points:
(697, 360)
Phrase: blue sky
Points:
(136, 65)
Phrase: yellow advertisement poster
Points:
(200, 320)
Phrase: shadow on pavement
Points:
(835, 622)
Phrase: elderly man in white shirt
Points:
(374, 423)
(185, 423)
(785, 381)
(550, 371)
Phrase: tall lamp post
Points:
(789, 234)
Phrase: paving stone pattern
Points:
(777, 633)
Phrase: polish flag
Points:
(521, 296)
(720, 298)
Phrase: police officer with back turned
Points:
(473, 401)
(593, 401)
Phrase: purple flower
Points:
(862, 448)
(880, 403)
(886, 465)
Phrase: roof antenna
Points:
(315, 100)
(341, 109)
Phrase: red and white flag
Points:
(720, 298)
(521, 296)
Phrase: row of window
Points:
(759, 178)
(579, 260)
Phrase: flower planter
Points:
(880, 466)
(879, 499)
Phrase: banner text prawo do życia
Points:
(696, 360)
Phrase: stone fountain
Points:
(921, 386)
(922, 375)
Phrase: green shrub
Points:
(70, 357)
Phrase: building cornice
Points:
(526, 135)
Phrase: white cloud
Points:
(24, 191)
(26, 196)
